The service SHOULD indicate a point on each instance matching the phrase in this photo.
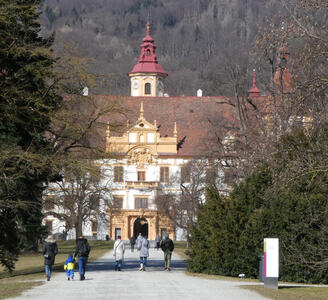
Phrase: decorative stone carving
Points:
(140, 157)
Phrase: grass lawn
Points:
(180, 248)
(291, 293)
(283, 293)
(29, 270)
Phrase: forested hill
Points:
(195, 38)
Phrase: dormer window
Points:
(148, 52)
(147, 89)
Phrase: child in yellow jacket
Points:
(69, 267)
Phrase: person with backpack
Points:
(50, 250)
(118, 253)
(82, 251)
(167, 246)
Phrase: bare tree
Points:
(81, 196)
(182, 207)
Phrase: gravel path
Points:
(102, 282)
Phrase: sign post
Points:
(271, 263)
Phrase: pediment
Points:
(142, 125)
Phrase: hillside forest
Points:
(196, 39)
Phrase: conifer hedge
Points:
(287, 198)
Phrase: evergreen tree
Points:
(27, 100)
(284, 198)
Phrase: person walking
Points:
(118, 253)
(82, 251)
(167, 246)
(69, 267)
(132, 243)
(50, 250)
(138, 238)
(157, 241)
(143, 247)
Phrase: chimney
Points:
(85, 91)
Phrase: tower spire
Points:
(147, 75)
(254, 91)
(148, 28)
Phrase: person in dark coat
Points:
(158, 241)
(167, 246)
(50, 250)
(132, 242)
(82, 251)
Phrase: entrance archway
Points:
(140, 226)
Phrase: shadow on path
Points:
(130, 264)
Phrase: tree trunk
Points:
(78, 227)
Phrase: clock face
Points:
(135, 84)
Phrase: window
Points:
(94, 226)
(150, 137)
(141, 138)
(132, 137)
(117, 202)
(211, 175)
(185, 174)
(148, 52)
(118, 174)
(94, 201)
(141, 203)
(147, 89)
(141, 175)
(164, 176)
(49, 203)
(95, 175)
(49, 225)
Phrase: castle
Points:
(163, 135)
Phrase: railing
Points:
(149, 184)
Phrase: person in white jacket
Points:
(118, 253)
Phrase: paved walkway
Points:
(102, 282)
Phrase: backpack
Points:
(84, 249)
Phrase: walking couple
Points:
(50, 250)
(142, 246)
(142, 243)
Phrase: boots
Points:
(141, 267)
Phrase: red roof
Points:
(200, 120)
(148, 60)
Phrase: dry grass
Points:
(13, 289)
(291, 293)
(29, 270)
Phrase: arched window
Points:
(148, 52)
(147, 89)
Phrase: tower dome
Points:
(147, 75)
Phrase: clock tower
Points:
(147, 75)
